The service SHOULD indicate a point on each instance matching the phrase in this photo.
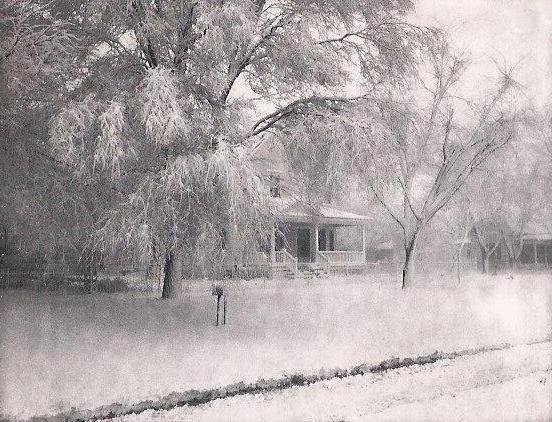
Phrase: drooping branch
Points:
(303, 105)
(366, 32)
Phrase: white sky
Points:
(510, 31)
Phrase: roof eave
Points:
(322, 220)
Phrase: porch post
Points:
(363, 244)
(315, 255)
(273, 244)
(535, 251)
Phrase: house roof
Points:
(269, 157)
(294, 210)
(539, 230)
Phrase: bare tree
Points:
(519, 174)
(415, 149)
(434, 153)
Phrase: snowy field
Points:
(63, 351)
(504, 385)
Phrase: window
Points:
(279, 240)
(223, 239)
(274, 186)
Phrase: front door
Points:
(303, 245)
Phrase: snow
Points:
(527, 398)
(512, 384)
(63, 351)
(290, 208)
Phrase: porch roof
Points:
(298, 211)
(537, 230)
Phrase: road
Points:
(506, 385)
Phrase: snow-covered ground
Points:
(58, 352)
(505, 385)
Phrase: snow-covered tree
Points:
(413, 148)
(166, 103)
(44, 212)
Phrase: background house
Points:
(537, 244)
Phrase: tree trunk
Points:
(459, 261)
(517, 253)
(88, 283)
(408, 267)
(172, 280)
(486, 252)
(485, 262)
(513, 266)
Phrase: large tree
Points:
(436, 146)
(165, 104)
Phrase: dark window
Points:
(331, 236)
(223, 239)
(322, 240)
(274, 186)
(280, 241)
(303, 244)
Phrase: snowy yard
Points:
(62, 351)
(505, 385)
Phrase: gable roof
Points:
(538, 229)
(298, 211)
(270, 158)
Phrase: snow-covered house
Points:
(535, 241)
(307, 236)
(537, 244)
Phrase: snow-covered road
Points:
(512, 384)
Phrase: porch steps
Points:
(283, 272)
(312, 270)
(303, 271)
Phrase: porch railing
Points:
(342, 257)
(262, 257)
(323, 260)
(285, 259)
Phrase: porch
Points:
(321, 239)
(536, 252)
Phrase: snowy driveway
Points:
(512, 384)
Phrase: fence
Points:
(446, 273)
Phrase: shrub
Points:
(111, 285)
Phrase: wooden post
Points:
(347, 263)
(315, 243)
(224, 311)
(535, 252)
(273, 244)
(218, 290)
(218, 306)
(363, 244)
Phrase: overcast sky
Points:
(512, 32)
(509, 31)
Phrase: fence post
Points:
(218, 291)
(218, 305)
(224, 311)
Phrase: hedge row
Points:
(198, 397)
